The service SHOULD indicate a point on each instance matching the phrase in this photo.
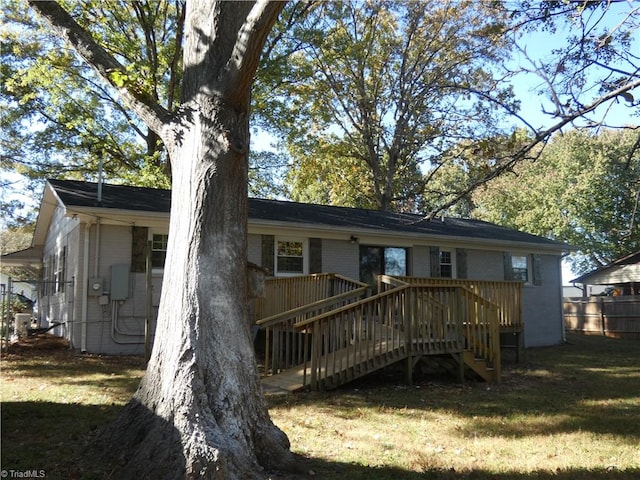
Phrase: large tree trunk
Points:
(199, 411)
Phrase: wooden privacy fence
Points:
(608, 316)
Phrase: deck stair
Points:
(334, 341)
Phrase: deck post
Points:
(459, 358)
(315, 357)
(410, 370)
(267, 353)
(520, 346)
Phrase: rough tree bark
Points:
(199, 411)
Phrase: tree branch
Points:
(149, 110)
(541, 137)
(247, 50)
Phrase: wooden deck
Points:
(344, 336)
(345, 365)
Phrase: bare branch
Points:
(541, 138)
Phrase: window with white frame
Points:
(446, 263)
(47, 276)
(159, 243)
(59, 273)
(290, 257)
(520, 268)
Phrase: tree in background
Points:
(199, 411)
(342, 106)
(12, 239)
(61, 120)
(364, 94)
(593, 66)
(583, 189)
(54, 125)
(584, 82)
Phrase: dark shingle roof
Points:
(84, 194)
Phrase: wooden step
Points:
(479, 366)
(289, 381)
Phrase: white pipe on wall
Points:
(96, 266)
(85, 290)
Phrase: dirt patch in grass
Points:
(37, 344)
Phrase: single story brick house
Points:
(93, 240)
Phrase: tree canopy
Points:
(369, 99)
(583, 190)
(61, 120)
(365, 94)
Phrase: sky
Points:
(539, 47)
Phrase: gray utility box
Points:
(119, 281)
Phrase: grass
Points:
(568, 412)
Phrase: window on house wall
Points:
(45, 288)
(443, 262)
(159, 249)
(523, 268)
(395, 261)
(375, 261)
(519, 268)
(289, 257)
(446, 264)
(59, 272)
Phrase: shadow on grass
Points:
(49, 436)
(589, 385)
(336, 470)
(52, 438)
(66, 364)
(67, 441)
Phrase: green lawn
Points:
(568, 412)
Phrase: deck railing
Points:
(400, 322)
(481, 317)
(507, 295)
(295, 299)
(286, 293)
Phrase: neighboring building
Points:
(617, 313)
(575, 291)
(93, 245)
(623, 274)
